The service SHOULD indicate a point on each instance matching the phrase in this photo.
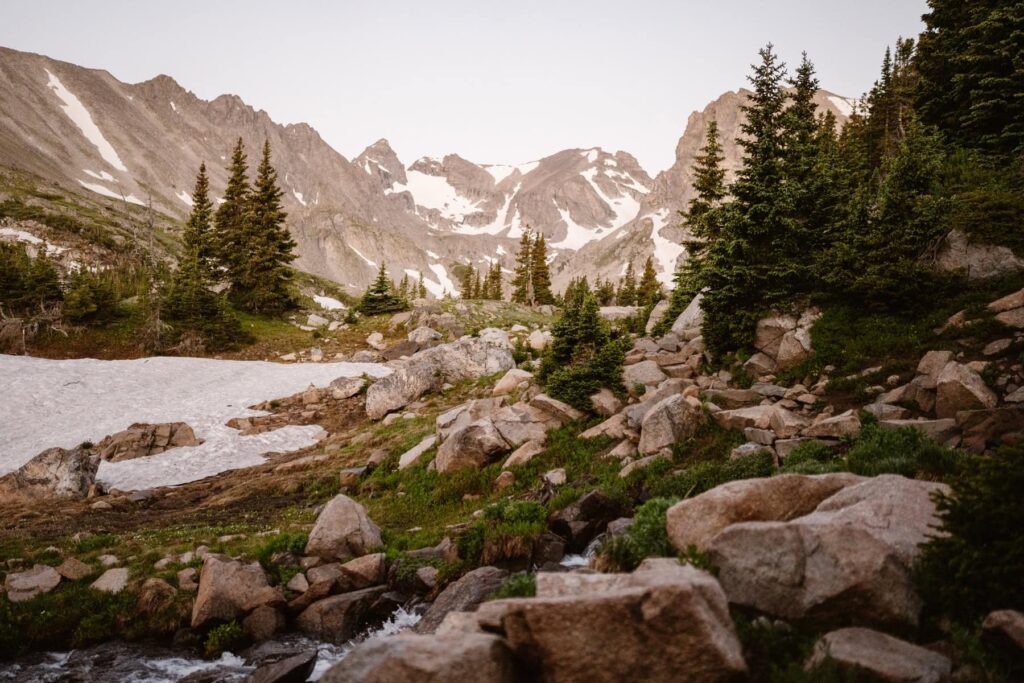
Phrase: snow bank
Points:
(77, 112)
(65, 402)
(328, 303)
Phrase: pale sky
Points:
(495, 82)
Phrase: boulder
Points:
(961, 388)
(605, 403)
(520, 423)
(578, 524)
(363, 572)
(511, 382)
(424, 335)
(984, 429)
(614, 428)
(1006, 624)
(663, 622)
(112, 581)
(296, 668)
(21, 586)
(761, 364)
(836, 427)
(263, 623)
(770, 331)
(54, 473)
(692, 317)
(474, 446)
(785, 423)
(412, 657)
(862, 651)
(644, 373)
(741, 418)
(539, 340)
(403, 349)
(342, 531)
(140, 440)
(339, 618)
(524, 454)
(695, 521)
(430, 369)
(669, 421)
(375, 340)
(412, 456)
(229, 589)
(730, 399)
(495, 336)
(563, 412)
(933, 362)
(849, 561)
(464, 595)
(347, 387)
(977, 260)
(657, 315)
(74, 569)
(458, 417)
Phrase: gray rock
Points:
(412, 456)
(21, 586)
(669, 421)
(884, 658)
(406, 657)
(606, 403)
(473, 446)
(849, 561)
(691, 318)
(961, 388)
(54, 473)
(294, 669)
(465, 595)
(229, 589)
(112, 581)
(347, 387)
(645, 373)
(1007, 624)
(424, 335)
(511, 382)
(339, 618)
(342, 531)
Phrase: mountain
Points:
(90, 133)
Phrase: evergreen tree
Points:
(493, 286)
(971, 79)
(583, 356)
(422, 290)
(198, 235)
(745, 268)
(380, 297)
(522, 280)
(604, 292)
(261, 283)
(649, 290)
(231, 221)
(540, 275)
(626, 295)
(403, 287)
(468, 282)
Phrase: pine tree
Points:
(522, 281)
(540, 275)
(380, 296)
(231, 220)
(626, 295)
(604, 292)
(403, 287)
(262, 281)
(198, 235)
(422, 290)
(649, 290)
(493, 282)
(467, 283)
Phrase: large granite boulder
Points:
(464, 595)
(849, 561)
(669, 421)
(695, 521)
(339, 618)
(54, 473)
(664, 622)
(453, 657)
(140, 440)
(474, 446)
(882, 657)
(428, 370)
(961, 388)
(229, 589)
(21, 586)
(342, 531)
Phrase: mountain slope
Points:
(142, 143)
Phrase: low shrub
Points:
(222, 638)
(645, 537)
(520, 585)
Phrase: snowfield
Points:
(65, 402)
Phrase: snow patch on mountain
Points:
(370, 263)
(843, 105)
(666, 251)
(81, 117)
(328, 303)
(298, 196)
(102, 175)
(185, 197)
(435, 192)
(445, 282)
(106, 192)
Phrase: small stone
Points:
(555, 477)
(74, 569)
(108, 560)
(504, 480)
(112, 580)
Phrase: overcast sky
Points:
(495, 82)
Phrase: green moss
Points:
(645, 537)
(521, 585)
(225, 637)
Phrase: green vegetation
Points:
(584, 355)
(976, 564)
(521, 585)
(531, 283)
(380, 297)
(645, 537)
(222, 638)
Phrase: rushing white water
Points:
(129, 663)
(583, 559)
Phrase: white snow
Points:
(592, 155)
(435, 192)
(360, 255)
(666, 252)
(174, 107)
(77, 112)
(102, 175)
(842, 105)
(432, 254)
(65, 402)
(106, 192)
(499, 172)
(442, 277)
(20, 235)
(500, 251)
(328, 303)
(298, 195)
(185, 197)
(576, 235)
